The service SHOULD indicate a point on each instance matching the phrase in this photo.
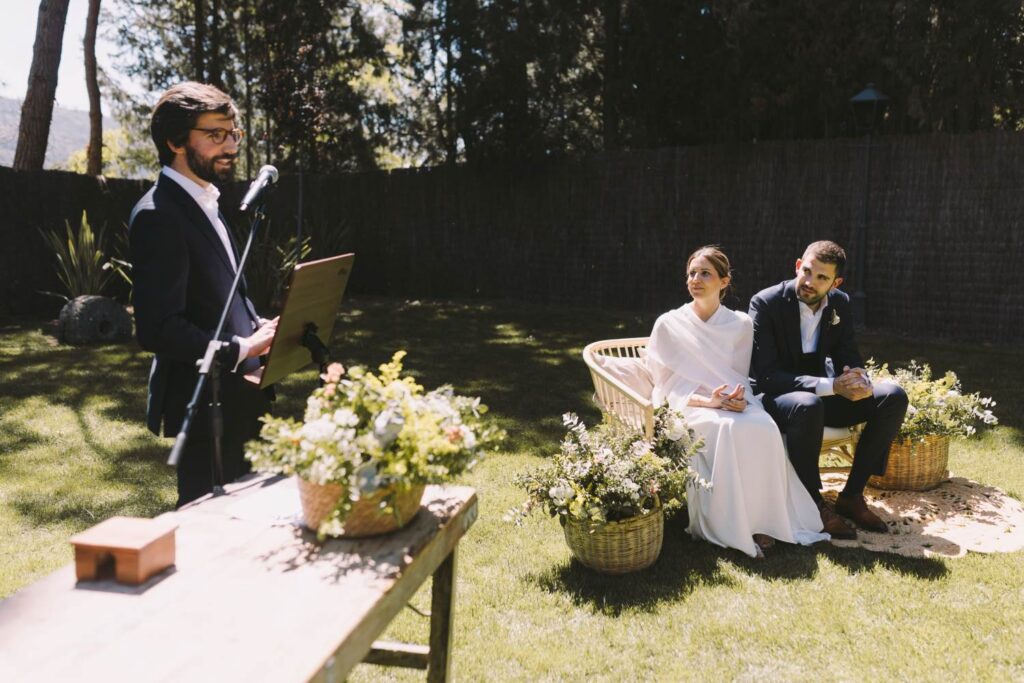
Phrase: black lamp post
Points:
(868, 111)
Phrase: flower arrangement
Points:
(374, 432)
(938, 407)
(611, 473)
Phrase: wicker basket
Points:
(915, 465)
(366, 518)
(617, 547)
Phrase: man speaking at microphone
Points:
(183, 263)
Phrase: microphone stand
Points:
(209, 368)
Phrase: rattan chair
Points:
(629, 406)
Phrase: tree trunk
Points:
(37, 110)
(199, 42)
(95, 150)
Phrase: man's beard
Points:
(810, 299)
(206, 168)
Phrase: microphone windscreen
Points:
(270, 171)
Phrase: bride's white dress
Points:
(754, 487)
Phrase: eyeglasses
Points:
(219, 135)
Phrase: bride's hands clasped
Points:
(733, 400)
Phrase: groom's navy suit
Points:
(181, 277)
(787, 377)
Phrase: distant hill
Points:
(69, 132)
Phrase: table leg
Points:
(442, 606)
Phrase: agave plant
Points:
(80, 259)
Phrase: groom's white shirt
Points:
(810, 332)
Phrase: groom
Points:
(803, 328)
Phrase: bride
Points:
(699, 358)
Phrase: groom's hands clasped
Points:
(853, 384)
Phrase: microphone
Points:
(267, 177)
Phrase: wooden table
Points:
(251, 598)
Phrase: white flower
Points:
(345, 442)
(313, 408)
(639, 448)
(321, 470)
(344, 417)
(387, 425)
(319, 430)
(468, 437)
(560, 494)
(397, 389)
(675, 428)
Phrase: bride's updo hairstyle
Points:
(717, 258)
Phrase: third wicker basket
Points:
(915, 465)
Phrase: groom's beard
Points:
(809, 297)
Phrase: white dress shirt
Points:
(206, 198)
(810, 333)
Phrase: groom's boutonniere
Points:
(835, 318)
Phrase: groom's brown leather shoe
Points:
(856, 509)
(834, 525)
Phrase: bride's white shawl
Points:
(686, 355)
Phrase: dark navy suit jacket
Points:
(181, 278)
(776, 362)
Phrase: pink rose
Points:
(334, 372)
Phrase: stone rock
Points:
(93, 319)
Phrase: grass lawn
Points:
(73, 451)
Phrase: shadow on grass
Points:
(14, 438)
(858, 560)
(137, 466)
(100, 385)
(681, 568)
(1016, 437)
(685, 565)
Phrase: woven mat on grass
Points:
(947, 521)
